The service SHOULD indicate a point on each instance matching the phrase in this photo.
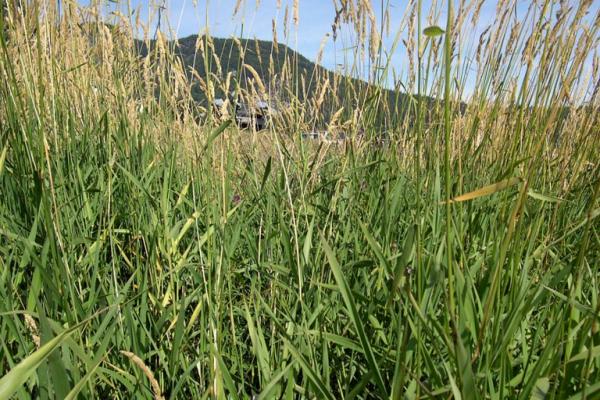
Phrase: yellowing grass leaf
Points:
(486, 190)
(186, 226)
(195, 314)
(3, 158)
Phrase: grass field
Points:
(146, 253)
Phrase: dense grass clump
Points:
(150, 248)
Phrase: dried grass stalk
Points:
(147, 371)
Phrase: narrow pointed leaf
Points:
(16, 377)
(353, 314)
(486, 190)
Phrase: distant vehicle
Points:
(257, 115)
(311, 135)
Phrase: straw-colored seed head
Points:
(33, 329)
(387, 21)
(374, 41)
(236, 8)
(258, 52)
(274, 30)
(335, 118)
(200, 44)
(321, 97)
(296, 12)
(321, 49)
(480, 46)
(256, 76)
(476, 13)
(147, 371)
(286, 17)
(217, 62)
(515, 31)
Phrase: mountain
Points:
(257, 53)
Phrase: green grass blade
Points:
(72, 395)
(311, 374)
(266, 392)
(215, 133)
(17, 376)
(353, 314)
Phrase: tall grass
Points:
(150, 250)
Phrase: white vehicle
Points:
(257, 115)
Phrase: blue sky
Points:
(254, 20)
